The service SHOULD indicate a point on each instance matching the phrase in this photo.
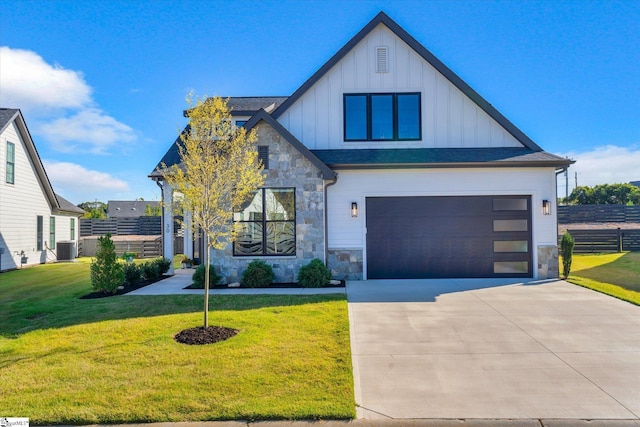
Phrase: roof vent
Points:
(382, 59)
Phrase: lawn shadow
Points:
(624, 271)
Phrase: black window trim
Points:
(264, 222)
(369, 116)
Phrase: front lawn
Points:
(615, 274)
(64, 360)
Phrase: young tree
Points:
(566, 251)
(218, 172)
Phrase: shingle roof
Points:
(6, 116)
(438, 157)
(249, 105)
(68, 207)
(128, 208)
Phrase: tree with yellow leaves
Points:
(219, 170)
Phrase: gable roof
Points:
(383, 18)
(262, 115)
(249, 105)
(58, 204)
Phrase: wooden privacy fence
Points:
(598, 213)
(141, 226)
(146, 247)
(603, 240)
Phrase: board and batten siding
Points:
(347, 232)
(449, 118)
(20, 205)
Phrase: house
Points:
(385, 164)
(131, 208)
(34, 221)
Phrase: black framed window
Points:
(11, 163)
(39, 232)
(266, 224)
(382, 117)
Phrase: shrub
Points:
(132, 273)
(106, 273)
(314, 275)
(258, 274)
(198, 277)
(150, 270)
(566, 251)
(163, 265)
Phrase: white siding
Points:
(449, 118)
(346, 232)
(20, 205)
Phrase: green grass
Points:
(615, 274)
(64, 360)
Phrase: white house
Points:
(33, 219)
(396, 169)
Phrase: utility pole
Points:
(576, 175)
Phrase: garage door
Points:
(448, 237)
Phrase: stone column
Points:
(167, 224)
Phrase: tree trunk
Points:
(206, 288)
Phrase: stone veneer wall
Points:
(345, 264)
(287, 168)
(548, 262)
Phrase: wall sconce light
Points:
(354, 209)
(546, 207)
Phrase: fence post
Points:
(619, 240)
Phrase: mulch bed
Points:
(126, 289)
(200, 335)
(290, 285)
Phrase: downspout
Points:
(326, 221)
(157, 181)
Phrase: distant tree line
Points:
(605, 194)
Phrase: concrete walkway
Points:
(175, 285)
(494, 349)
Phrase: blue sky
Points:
(102, 83)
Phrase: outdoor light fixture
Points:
(546, 207)
(354, 209)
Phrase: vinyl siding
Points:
(449, 118)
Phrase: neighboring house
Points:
(636, 183)
(130, 209)
(33, 219)
(385, 164)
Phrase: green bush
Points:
(132, 273)
(198, 277)
(258, 274)
(314, 275)
(566, 251)
(163, 265)
(106, 272)
(150, 270)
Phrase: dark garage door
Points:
(448, 237)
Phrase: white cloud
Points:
(29, 83)
(59, 104)
(73, 181)
(608, 164)
(89, 130)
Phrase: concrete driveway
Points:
(484, 348)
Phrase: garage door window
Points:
(510, 267)
(510, 246)
(510, 225)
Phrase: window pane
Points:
(381, 117)
(355, 117)
(11, 161)
(511, 267)
(510, 225)
(510, 246)
(73, 228)
(251, 210)
(279, 204)
(39, 233)
(281, 238)
(52, 232)
(409, 116)
(509, 204)
(248, 239)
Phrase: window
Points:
(52, 232)
(72, 226)
(11, 163)
(266, 224)
(382, 117)
(39, 233)
(240, 122)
